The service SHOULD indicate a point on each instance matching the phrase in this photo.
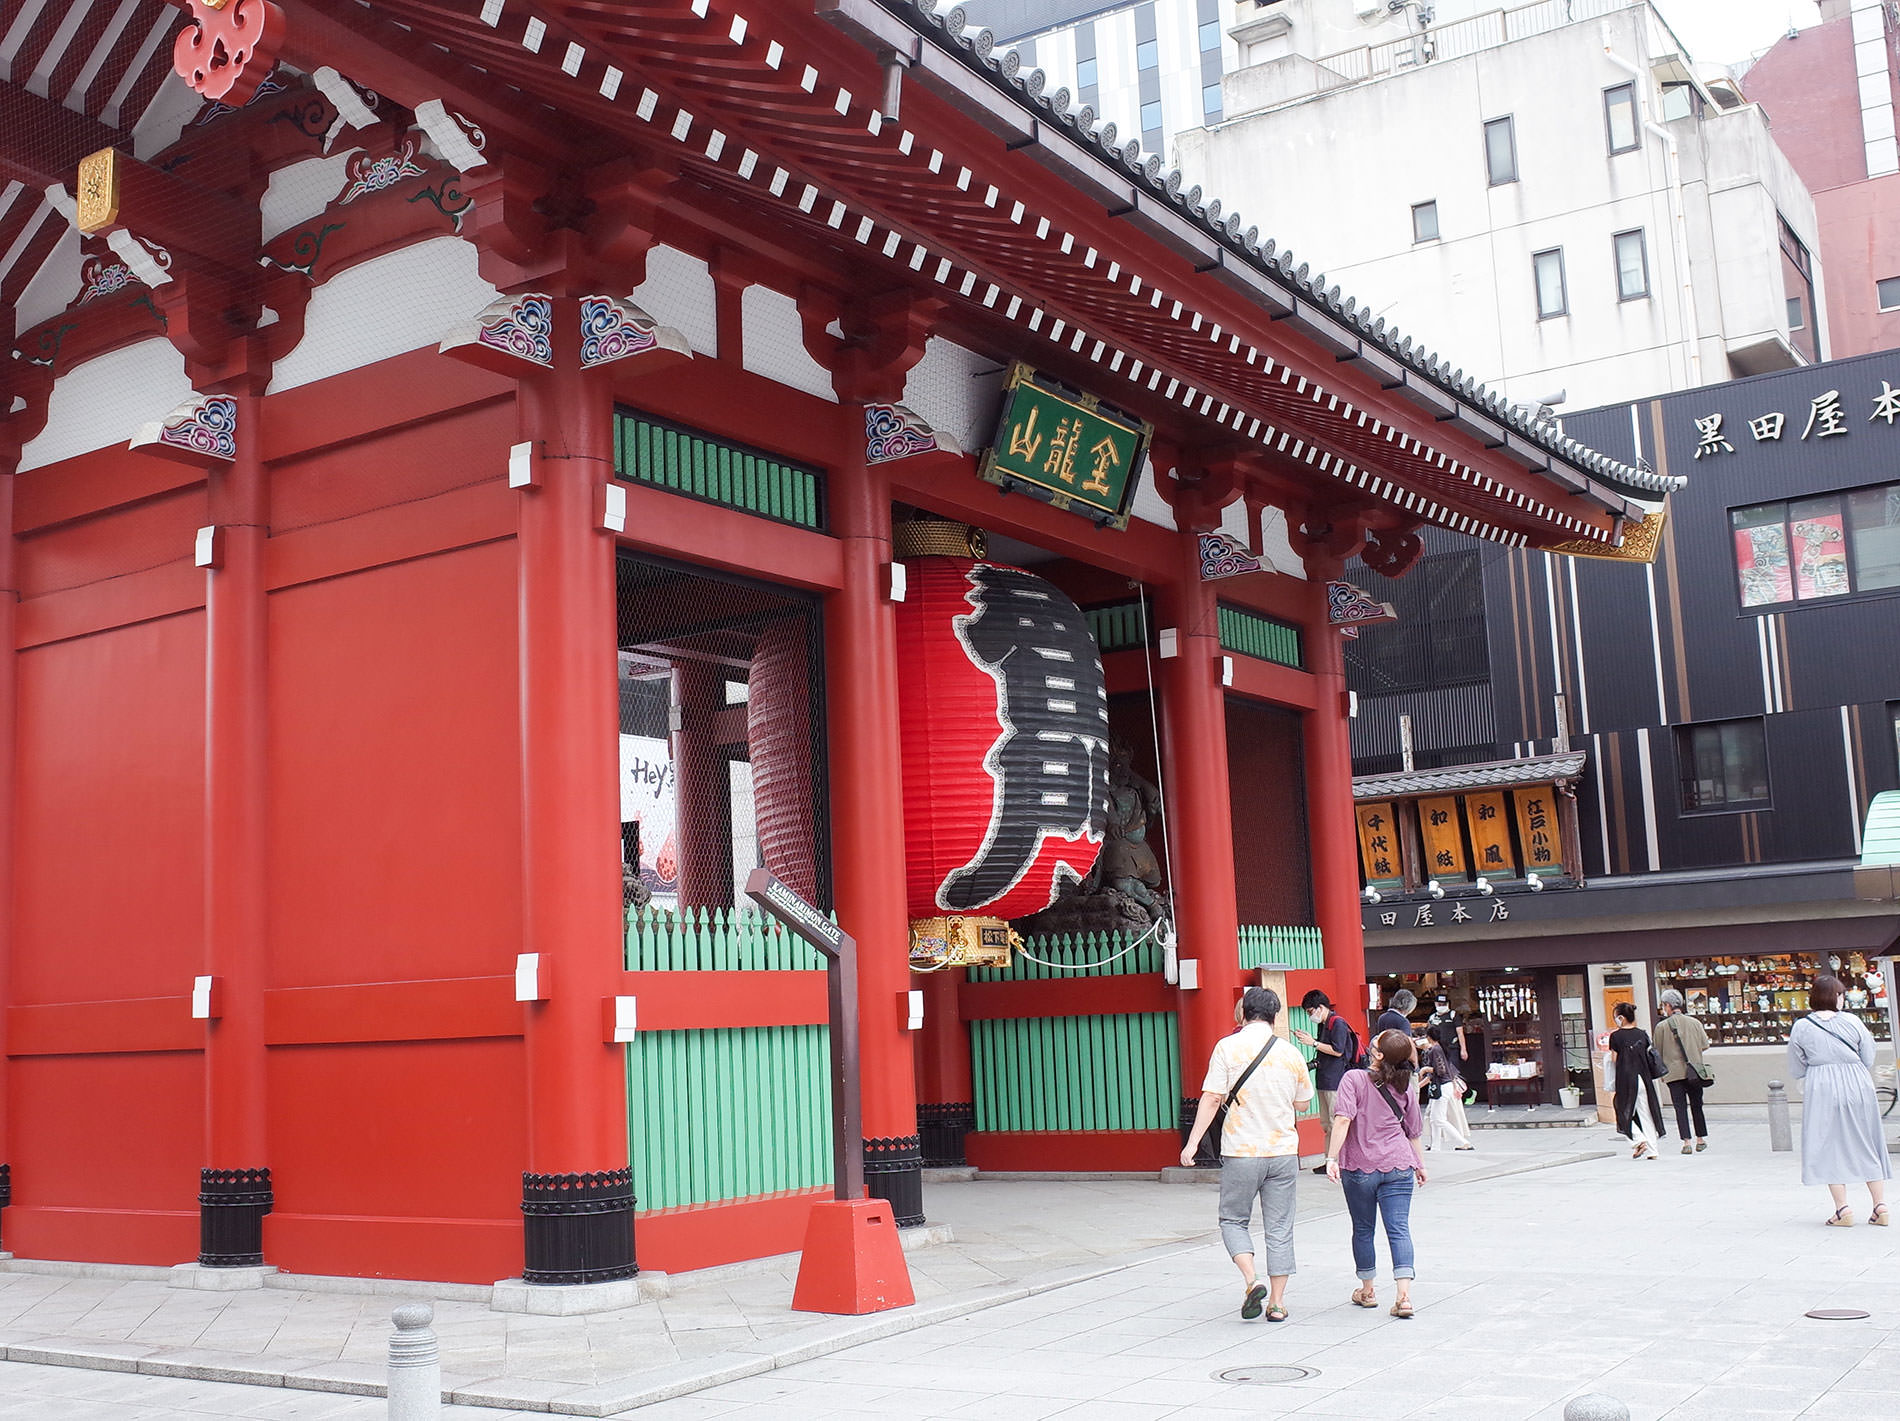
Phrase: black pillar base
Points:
(941, 1128)
(1208, 1155)
(894, 1171)
(6, 1193)
(231, 1208)
(578, 1228)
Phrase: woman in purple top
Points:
(1375, 1155)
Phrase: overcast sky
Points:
(1725, 31)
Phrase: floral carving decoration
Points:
(365, 174)
(1223, 556)
(201, 428)
(521, 326)
(895, 432)
(231, 49)
(99, 277)
(612, 329)
(1350, 606)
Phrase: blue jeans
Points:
(1388, 1194)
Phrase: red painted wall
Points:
(1860, 245)
(109, 892)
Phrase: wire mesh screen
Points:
(1273, 880)
(722, 765)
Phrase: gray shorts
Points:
(1275, 1183)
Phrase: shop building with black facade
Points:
(1595, 779)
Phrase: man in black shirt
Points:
(1397, 1015)
(1333, 1050)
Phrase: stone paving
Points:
(1011, 1236)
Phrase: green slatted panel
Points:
(1267, 638)
(1298, 948)
(1088, 951)
(714, 940)
(1116, 628)
(1077, 1072)
(728, 1113)
(681, 461)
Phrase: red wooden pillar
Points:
(1331, 833)
(946, 1092)
(577, 1192)
(867, 820)
(234, 1191)
(1198, 819)
(9, 709)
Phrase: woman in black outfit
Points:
(1638, 1111)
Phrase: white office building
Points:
(1551, 194)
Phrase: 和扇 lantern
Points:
(1004, 717)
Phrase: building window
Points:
(1148, 54)
(1724, 765)
(1632, 266)
(1210, 100)
(1810, 549)
(1680, 101)
(1548, 268)
(1619, 118)
(1425, 222)
(1085, 74)
(1210, 35)
(1888, 290)
(1797, 278)
(1500, 151)
(1150, 118)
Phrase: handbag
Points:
(1653, 1062)
(1219, 1125)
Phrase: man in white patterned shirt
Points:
(1260, 1144)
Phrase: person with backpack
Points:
(1335, 1051)
(1374, 1155)
(1635, 1068)
(1256, 1084)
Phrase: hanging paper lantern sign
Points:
(1004, 715)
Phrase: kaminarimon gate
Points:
(514, 467)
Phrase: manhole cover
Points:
(1265, 1376)
(1837, 1314)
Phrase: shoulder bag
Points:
(1698, 1069)
(1652, 1059)
(1219, 1125)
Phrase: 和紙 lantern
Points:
(1004, 715)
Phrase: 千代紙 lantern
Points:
(1004, 715)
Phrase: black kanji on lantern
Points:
(1050, 763)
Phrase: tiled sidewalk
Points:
(1012, 1239)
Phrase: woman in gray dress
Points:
(1841, 1139)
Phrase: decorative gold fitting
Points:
(97, 202)
(937, 943)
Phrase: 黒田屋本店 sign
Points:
(1066, 448)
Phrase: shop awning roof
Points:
(1878, 874)
(1493, 774)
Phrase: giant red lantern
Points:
(1004, 714)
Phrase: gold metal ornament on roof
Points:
(97, 201)
(1641, 542)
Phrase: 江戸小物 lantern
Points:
(1004, 715)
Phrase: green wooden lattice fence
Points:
(681, 461)
(728, 1113)
(1116, 628)
(1267, 638)
(1077, 1072)
(1297, 948)
(714, 940)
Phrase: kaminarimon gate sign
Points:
(435, 396)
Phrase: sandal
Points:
(1250, 1309)
(1365, 1297)
(1401, 1309)
(1879, 1216)
(1276, 1313)
(1843, 1218)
